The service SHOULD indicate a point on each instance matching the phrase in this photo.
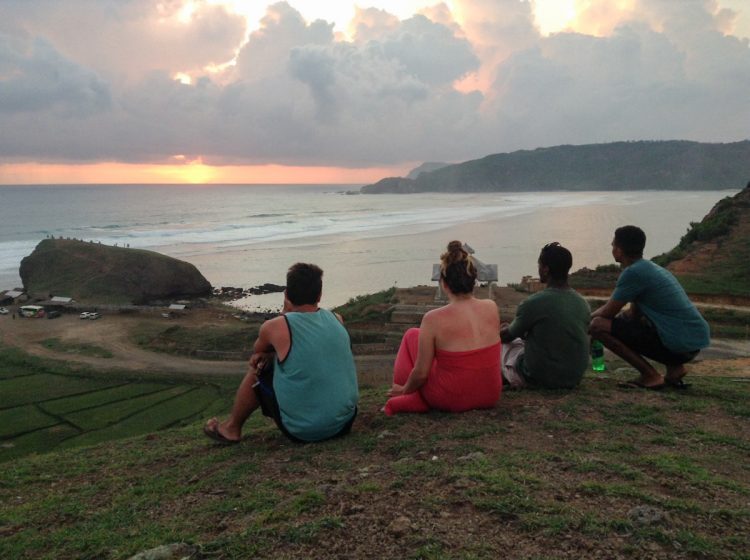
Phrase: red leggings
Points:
(405, 360)
(458, 381)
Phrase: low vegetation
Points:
(80, 348)
(46, 405)
(208, 342)
(598, 472)
(723, 217)
(370, 307)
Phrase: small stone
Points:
(353, 509)
(175, 551)
(475, 456)
(434, 458)
(647, 515)
(461, 483)
(400, 526)
(385, 434)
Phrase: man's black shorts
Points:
(638, 333)
(270, 406)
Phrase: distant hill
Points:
(91, 272)
(713, 257)
(662, 165)
(426, 167)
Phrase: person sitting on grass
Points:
(301, 373)
(661, 324)
(547, 344)
(452, 361)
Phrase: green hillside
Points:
(662, 165)
(713, 257)
(599, 472)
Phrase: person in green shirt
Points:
(301, 373)
(661, 323)
(547, 344)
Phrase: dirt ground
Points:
(113, 333)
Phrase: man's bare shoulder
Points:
(277, 324)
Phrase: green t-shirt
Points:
(660, 297)
(316, 384)
(554, 324)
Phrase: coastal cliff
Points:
(92, 272)
(713, 257)
(618, 166)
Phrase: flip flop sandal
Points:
(680, 385)
(639, 385)
(214, 434)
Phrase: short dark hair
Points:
(304, 284)
(558, 259)
(631, 240)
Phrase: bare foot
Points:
(213, 429)
(675, 374)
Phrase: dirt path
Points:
(113, 333)
(110, 333)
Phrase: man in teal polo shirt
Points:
(661, 324)
(301, 372)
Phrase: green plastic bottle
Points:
(597, 356)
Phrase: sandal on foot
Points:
(679, 384)
(212, 432)
(638, 384)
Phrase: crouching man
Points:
(301, 373)
(661, 324)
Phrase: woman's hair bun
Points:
(455, 246)
(457, 268)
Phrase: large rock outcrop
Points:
(91, 272)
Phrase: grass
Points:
(545, 474)
(370, 307)
(46, 405)
(79, 348)
(207, 341)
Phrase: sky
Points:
(310, 91)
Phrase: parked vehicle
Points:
(54, 314)
(3, 311)
(84, 315)
(31, 311)
(93, 315)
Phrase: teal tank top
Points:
(316, 384)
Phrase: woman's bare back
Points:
(465, 324)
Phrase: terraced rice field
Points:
(43, 410)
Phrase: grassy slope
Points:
(542, 475)
(713, 257)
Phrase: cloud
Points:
(90, 80)
(126, 39)
(37, 78)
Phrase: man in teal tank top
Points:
(661, 324)
(302, 371)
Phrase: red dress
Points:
(458, 381)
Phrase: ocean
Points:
(246, 235)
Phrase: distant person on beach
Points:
(301, 373)
(661, 323)
(547, 344)
(452, 361)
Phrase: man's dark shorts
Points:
(270, 406)
(638, 333)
